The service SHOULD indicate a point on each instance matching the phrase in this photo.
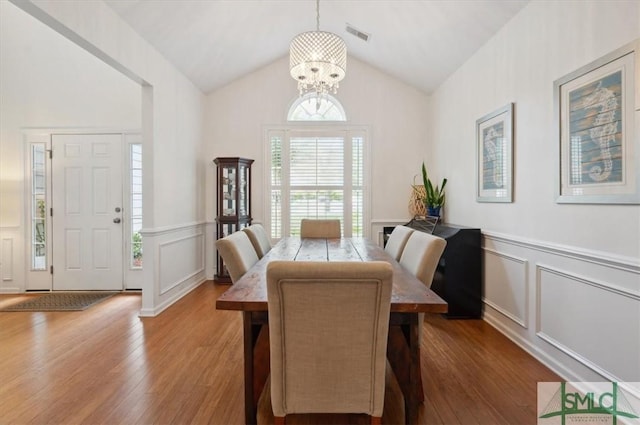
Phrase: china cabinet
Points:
(233, 183)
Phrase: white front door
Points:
(87, 212)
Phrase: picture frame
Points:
(494, 156)
(598, 125)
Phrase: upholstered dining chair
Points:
(328, 327)
(420, 256)
(238, 254)
(397, 240)
(312, 228)
(259, 239)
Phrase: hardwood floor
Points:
(106, 365)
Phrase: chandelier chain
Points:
(317, 15)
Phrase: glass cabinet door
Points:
(243, 202)
(226, 229)
(229, 181)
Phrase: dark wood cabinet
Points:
(458, 278)
(233, 183)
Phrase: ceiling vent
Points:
(361, 35)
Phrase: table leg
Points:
(414, 375)
(403, 352)
(256, 363)
(250, 409)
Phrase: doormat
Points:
(60, 301)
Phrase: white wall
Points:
(173, 168)
(47, 82)
(395, 113)
(562, 280)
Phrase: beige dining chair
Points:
(313, 228)
(420, 256)
(238, 254)
(397, 240)
(259, 239)
(328, 327)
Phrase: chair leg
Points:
(376, 420)
(279, 420)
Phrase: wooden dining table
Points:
(409, 297)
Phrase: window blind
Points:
(316, 176)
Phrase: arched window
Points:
(316, 171)
(304, 109)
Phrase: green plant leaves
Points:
(435, 196)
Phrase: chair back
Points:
(312, 228)
(259, 239)
(397, 240)
(421, 255)
(237, 253)
(328, 327)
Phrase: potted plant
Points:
(434, 196)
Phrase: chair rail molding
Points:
(163, 230)
(602, 258)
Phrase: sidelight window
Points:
(135, 167)
(38, 207)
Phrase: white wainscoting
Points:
(11, 266)
(596, 323)
(6, 260)
(180, 259)
(581, 317)
(508, 292)
(177, 256)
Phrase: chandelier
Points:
(317, 61)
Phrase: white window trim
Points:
(311, 96)
(316, 128)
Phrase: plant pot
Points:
(433, 211)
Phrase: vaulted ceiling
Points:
(214, 42)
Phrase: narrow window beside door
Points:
(136, 205)
(38, 207)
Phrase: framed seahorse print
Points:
(598, 123)
(494, 151)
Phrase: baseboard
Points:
(561, 370)
(152, 312)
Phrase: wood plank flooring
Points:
(105, 365)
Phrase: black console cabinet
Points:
(458, 279)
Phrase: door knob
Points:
(116, 220)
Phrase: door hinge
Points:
(51, 212)
(50, 153)
(51, 269)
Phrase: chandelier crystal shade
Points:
(317, 60)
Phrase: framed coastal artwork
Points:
(494, 151)
(597, 109)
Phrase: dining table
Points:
(409, 298)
